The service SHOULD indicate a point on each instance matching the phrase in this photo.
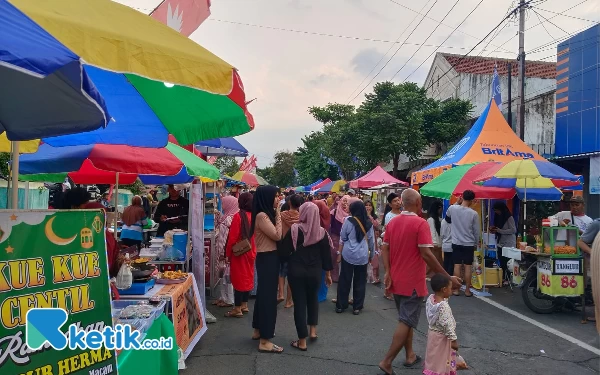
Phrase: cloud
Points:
(300, 5)
(329, 74)
(368, 11)
(29, 218)
(364, 61)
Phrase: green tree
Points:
(446, 122)
(266, 173)
(282, 173)
(227, 165)
(341, 135)
(399, 119)
(137, 188)
(4, 160)
(310, 162)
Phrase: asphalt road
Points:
(492, 341)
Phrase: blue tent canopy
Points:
(221, 147)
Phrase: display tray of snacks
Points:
(171, 277)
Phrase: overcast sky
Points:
(290, 71)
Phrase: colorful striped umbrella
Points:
(521, 172)
(154, 81)
(455, 181)
(85, 161)
(332, 187)
(249, 178)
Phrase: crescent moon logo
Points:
(52, 237)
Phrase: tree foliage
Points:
(227, 165)
(393, 120)
(310, 162)
(282, 169)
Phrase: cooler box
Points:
(180, 241)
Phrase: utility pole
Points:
(509, 114)
(521, 105)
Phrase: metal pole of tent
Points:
(15, 176)
(116, 204)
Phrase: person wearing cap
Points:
(575, 217)
(351, 193)
(172, 212)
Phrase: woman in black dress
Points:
(309, 247)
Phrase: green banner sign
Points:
(53, 259)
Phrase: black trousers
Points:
(240, 297)
(305, 294)
(265, 307)
(503, 262)
(348, 274)
(449, 263)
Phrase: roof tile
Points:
(485, 65)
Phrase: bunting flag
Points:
(211, 160)
(184, 16)
(244, 165)
(496, 90)
(252, 164)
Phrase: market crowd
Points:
(265, 238)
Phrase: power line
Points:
(536, 25)
(349, 37)
(544, 26)
(552, 23)
(566, 15)
(478, 43)
(390, 59)
(434, 20)
(448, 37)
(429, 36)
(382, 57)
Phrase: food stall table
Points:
(184, 309)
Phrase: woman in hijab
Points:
(222, 224)
(310, 248)
(289, 217)
(242, 266)
(266, 229)
(505, 230)
(339, 214)
(356, 249)
(134, 219)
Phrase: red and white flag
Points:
(182, 15)
(212, 160)
(244, 165)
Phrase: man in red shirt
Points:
(406, 253)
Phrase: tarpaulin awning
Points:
(332, 187)
(221, 147)
(320, 185)
(490, 139)
(375, 177)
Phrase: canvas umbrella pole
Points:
(116, 219)
(15, 176)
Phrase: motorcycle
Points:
(541, 303)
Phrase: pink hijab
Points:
(310, 224)
(340, 213)
(230, 207)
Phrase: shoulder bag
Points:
(242, 246)
(364, 233)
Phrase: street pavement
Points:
(492, 340)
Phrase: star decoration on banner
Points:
(13, 217)
(9, 249)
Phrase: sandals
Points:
(389, 298)
(295, 344)
(274, 350)
(288, 306)
(313, 338)
(413, 364)
(387, 373)
(233, 314)
(245, 311)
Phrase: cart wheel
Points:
(536, 301)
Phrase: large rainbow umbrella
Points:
(249, 178)
(85, 161)
(332, 187)
(154, 81)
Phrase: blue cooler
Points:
(180, 241)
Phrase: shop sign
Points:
(557, 285)
(53, 259)
(567, 266)
(595, 174)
